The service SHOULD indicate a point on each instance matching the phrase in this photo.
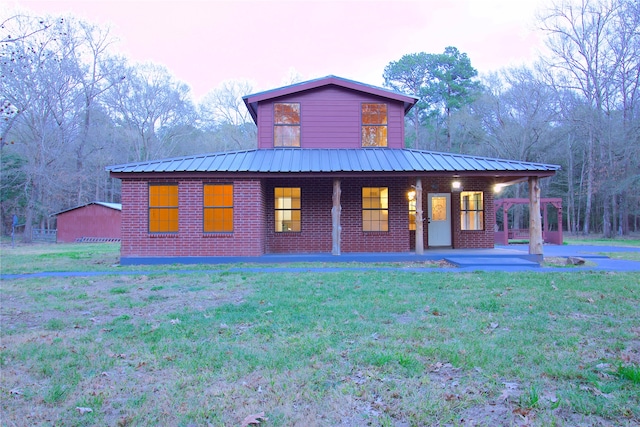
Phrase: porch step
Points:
(496, 261)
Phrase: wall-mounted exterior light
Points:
(456, 186)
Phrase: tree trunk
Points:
(590, 179)
(571, 219)
(606, 217)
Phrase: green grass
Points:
(591, 240)
(358, 347)
(39, 257)
(351, 348)
(629, 256)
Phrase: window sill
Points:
(214, 235)
(163, 235)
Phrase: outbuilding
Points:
(95, 221)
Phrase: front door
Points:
(439, 219)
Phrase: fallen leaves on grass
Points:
(254, 419)
(523, 412)
(511, 389)
(595, 391)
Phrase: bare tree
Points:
(37, 85)
(584, 38)
(226, 118)
(152, 109)
(516, 112)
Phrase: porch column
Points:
(535, 223)
(336, 210)
(505, 224)
(419, 220)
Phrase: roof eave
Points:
(499, 175)
(253, 99)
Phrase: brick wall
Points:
(356, 240)
(254, 228)
(474, 239)
(247, 238)
(460, 239)
(316, 225)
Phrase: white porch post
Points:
(336, 210)
(535, 223)
(419, 221)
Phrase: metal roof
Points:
(114, 206)
(316, 160)
(251, 101)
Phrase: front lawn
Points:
(351, 348)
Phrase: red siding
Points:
(330, 118)
(88, 221)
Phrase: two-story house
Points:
(330, 175)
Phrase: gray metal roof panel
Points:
(296, 160)
(434, 161)
(382, 160)
(468, 164)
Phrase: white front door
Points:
(439, 219)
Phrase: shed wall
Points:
(88, 221)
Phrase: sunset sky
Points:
(204, 43)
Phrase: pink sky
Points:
(204, 43)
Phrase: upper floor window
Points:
(471, 210)
(375, 209)
(374, 125)
(218, 208)
(287, 209)
(163, 208)
(286, 124)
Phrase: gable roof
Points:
(317, 160)
(251, 101)
(114, 206)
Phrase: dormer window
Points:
(286, 120)
(374, 125)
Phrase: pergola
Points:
(548, 236)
